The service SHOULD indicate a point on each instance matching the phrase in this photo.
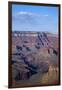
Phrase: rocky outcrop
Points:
(31, 54)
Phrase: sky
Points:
(34, 18)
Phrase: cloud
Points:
(24, 12)
(27, 13)
(30, 13)
(46, 15)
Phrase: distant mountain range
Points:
(42, 39)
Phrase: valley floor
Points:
(50, 78)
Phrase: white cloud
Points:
(24, 12)
(46, 15)
(27, 13)
(30, 13)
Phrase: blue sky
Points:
(34, 18)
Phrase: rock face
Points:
(31, 53)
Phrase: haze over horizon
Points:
(34, 18)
